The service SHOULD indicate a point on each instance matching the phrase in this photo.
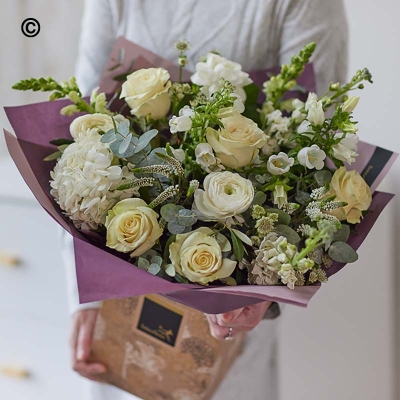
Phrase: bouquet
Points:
(215, 189)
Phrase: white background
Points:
(346, 344)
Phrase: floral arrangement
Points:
(199, 183)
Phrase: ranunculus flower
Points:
(183, 123)
(346, 149)
(312, 157)
(85, 126)
(279, 164)
(236, 144)
(146, 92)
(350, 187)
(132, 226)
(210, 75)
(225, 195)
(198, 257)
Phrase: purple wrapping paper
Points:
(103, 275)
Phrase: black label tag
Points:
(159, 321)
(376, 164)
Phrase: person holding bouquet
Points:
(258, 35)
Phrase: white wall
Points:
(344, 345)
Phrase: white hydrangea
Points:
(84, 180)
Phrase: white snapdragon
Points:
(206, 159)
(346, 149)
(279, 125)
(298, 115)
(312, 157)
(211, 73)
(279, 164)
(183, 123)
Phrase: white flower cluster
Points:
(84, 179)
(211, 74)
(274, 262)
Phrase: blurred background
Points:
(345, 346)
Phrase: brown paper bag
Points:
(157, 349)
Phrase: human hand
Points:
(241, 320)
(81, 343)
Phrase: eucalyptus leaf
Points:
(157, 260)
(170, 212)
(322, 177)
(229, 281)
(114, 146)
(283, 217)
(130, 151)
(181, 279)
(243, 237)
(154, 269)
(238, 248)
(170, 270)
(176, 228)
(260, 198)
(145, 139)
(290, 234)
(186, 217)
(142, 263)
(342, 252)
(109, 136)
(343, 234)
(123, 128)
(224, 242)
(302, 197)
(123, 147)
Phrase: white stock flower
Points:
(183, 123)
(279, 164)
(198, 257)
(312, 157)
(132, 227)
(84, 181)
(225, 195)
(279, 125)
(236, 144)
(146, 92)
(206, 159)
(346, 149)
(211, 73)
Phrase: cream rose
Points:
(146, 92)
(225, 195)
(350, 187)
(86, 125)
(237, 144)
(132, 226)
(198, 257)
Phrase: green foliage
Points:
(342, 252)
(238, 248)
(179, 219)
(289, 233)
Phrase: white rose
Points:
(236, 144)
(198, 257)
(183, 123)
(85, 126)
(132, 226)
(312, 157)
(279, 164)
(225, 195)
(211, 73)
(316, 113)
(346, 149)
(146, 92)
(206, 159)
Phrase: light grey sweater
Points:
(256, 33)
